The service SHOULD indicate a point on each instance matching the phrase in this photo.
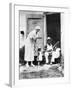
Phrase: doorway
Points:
(53, 26)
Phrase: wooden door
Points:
(32, 22)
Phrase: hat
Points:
(48, 38)
(37, 27)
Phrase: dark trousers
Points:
(21, 55)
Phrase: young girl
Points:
(39, 56)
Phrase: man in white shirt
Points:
(49, 49)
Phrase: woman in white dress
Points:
(29, 45)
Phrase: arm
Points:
(39, 38)
(33, 39)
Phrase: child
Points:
(39, 56)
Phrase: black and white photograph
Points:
(40, 46)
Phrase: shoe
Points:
(27, 65)
(50, 63)
(32, 65)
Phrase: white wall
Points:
(23, 26)
(22, 21)
(4, 41)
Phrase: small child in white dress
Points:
(39, 55)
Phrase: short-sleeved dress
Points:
(29, 46)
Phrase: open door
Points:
(53, 25)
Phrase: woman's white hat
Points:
(48, 38)
(37, 27)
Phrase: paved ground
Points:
(40, 72)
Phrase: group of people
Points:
(49, 52)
